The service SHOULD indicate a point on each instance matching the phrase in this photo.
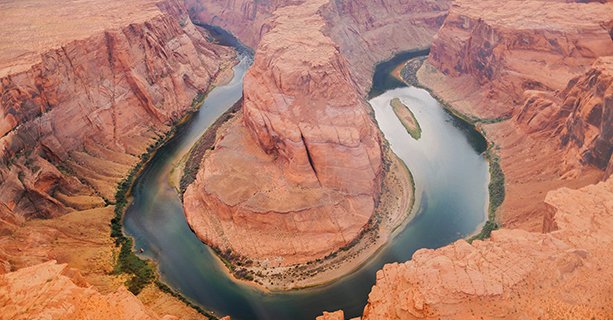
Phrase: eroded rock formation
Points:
(304, 126)
(77, 113)
(54, 291)
(581, 115)
(304, 158)
(495, 61)
(507, 48)
(361, 29)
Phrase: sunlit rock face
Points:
(316, 150)
(581, 115)
(76, 119)
(54, 291)
(503, 276)
(510, 47)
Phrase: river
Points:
(450, 173)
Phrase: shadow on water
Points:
(451, 182)
(383, 79)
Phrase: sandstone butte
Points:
(298, 175)
(85, 88)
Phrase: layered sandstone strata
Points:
(490, 59)
(298, 175)
(515, 274)
(504, 49)
(365, 32)
(54, 291)
(82, 98)
(581, 115)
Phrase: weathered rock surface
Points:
(515, 274)
(504, 49)
(54, 291)
(581, 115)
(363, 30)
(85, 102)
(305, 125)
(316, 150)
(490, 59)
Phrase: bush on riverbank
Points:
(141, 271)
(497, 195)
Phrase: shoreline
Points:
(140, 268)
(409, 72)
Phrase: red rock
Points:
(316, 150)
(74, 122)
(54, 291)
(361, 29)
(515, 274)
(580, 115)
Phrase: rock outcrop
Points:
(315, 150)
(88, 99)
(515, 274)
(54, 291)
(305, 126)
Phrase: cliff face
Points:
(581, 115)
(316, 150)
(507, 48)
(54, 291)
(523, 70)
(368, 32)
(246, 19)
(361, 29)
(503, 277)
(74, 123)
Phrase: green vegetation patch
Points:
(407, 118)
(496, 192)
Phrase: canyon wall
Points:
(316, 150)
(503, 277)
(533, 75)
(85, 88)
(504, 49)
(77, 116)
(361, 29)
(580, 116)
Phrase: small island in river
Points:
(407, 118)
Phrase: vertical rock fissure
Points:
(308, 153)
